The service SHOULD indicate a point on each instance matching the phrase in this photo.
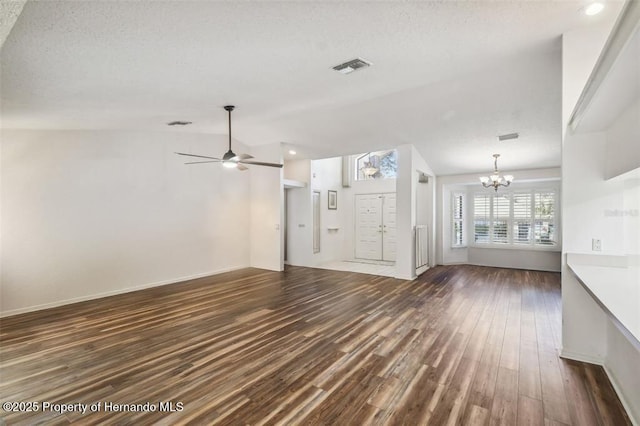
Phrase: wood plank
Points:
(530, 411)
(460, 345)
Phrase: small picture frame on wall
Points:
(333, 200)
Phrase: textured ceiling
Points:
(9, 12)
(447, 77)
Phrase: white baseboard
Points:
(576, 356)
(422, 270)
(114, 292)
(625, 403)
(612, 378)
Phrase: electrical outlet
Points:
(596, 245)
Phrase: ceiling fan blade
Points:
(244, 156)
(242, 168)
(200, 162)
(199, 156)
(260, 163)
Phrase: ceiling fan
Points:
(230, 159)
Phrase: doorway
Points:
(376, 227)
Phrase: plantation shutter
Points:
(481, 218)
(501, 215)
(522, 218)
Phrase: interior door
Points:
(389, 227)
(369, 226)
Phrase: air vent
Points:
(351, 66)
(508, 137)
(178, 123)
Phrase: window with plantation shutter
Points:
(544, 221)
(519, 218)
(457, 225)
(481, 218)
(501, 218)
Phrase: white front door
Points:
(389, 227)
(376, 226)
(369, 226)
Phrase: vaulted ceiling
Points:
(448, 77)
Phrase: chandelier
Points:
(495, 180)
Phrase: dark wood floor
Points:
(461, 345)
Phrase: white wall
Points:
(581, 48)
(299, 170)
(623, 142)
(536, 260)
(602, 209)
(326, 174)
(299, 227)
(322, 175)
(267, 210)
(299, 219)
(587, 160)
(587, 197)
(508, 257)
(445, 254)
(409, 163)
(89, 213)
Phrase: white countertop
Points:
(614, 285)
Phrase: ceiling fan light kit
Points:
(495, 180)
(230, 159)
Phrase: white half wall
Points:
(91, 213)
(535, 260)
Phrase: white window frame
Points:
(463, 240)
(356, 158)
(511, 244)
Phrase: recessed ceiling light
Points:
(179, 123)
(593, 9)
(352, 65)
(292, 152)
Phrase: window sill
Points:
(555, 248)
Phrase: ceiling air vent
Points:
(178, 123)
(352, 65)
(508, 137)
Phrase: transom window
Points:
(377, 165)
